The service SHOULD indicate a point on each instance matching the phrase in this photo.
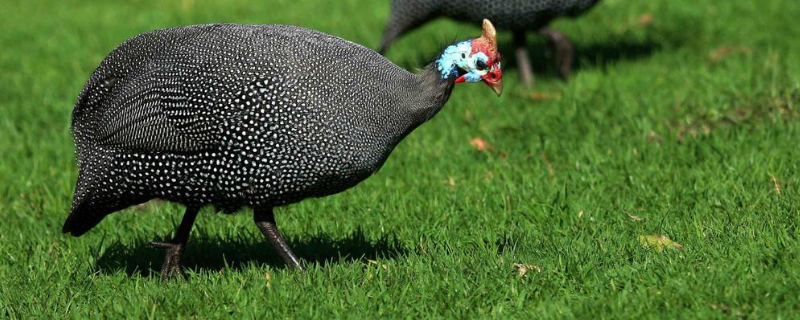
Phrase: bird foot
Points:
(565, 50)
(523, 62)
(171, 268)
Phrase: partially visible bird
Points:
(249, 115)
(519, 16)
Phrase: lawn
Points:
(660, 181)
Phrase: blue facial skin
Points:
(472, 77)
(458, 56)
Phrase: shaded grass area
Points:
(680, 121)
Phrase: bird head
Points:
(474, 60)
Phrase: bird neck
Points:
(439, 77)
(436, 89)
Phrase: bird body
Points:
(209, 114)
(240, 115)
(504, 14)
(518, 16)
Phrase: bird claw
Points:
(171, 270)
(161, 245)
(172, 261)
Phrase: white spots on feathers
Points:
(237, 115)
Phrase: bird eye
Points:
(480, 65)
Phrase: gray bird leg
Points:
(172, 261)
(523, 61)
(265, 220)
(565, 51)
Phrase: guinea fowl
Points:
(249, 115)
(519, 16)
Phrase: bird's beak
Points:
(497, 87)
(494, 79)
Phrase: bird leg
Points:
(523, 61)
(565, 51)
(265, 220)
(172, 262)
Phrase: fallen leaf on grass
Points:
(721, 307)
(645, 19)
(727, 310)
(580, 214)
(659, 243)
(522, 268)
(544, 96)
(654, 137)
(776, 183)
(481, 145)
(269, 279)
(370, 261)
(636, 218)
(724, 51)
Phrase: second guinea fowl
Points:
(519, 16)
(249, 115)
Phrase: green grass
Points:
(689, 122)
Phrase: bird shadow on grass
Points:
(587, 56)
(208, 254)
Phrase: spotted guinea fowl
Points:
(249, 115)
(518, 16)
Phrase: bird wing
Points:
(161, 109)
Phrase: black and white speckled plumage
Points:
(237, 115)
(515, 15)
